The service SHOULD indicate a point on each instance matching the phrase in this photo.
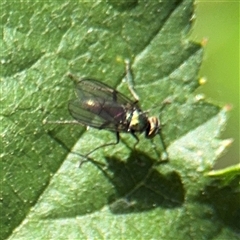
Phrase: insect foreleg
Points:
(129, 78)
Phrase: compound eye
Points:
(154, 126)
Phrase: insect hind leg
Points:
(87, 158)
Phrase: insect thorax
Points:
(138, 121)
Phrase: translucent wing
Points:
(100, 106)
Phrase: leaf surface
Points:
(128, 194)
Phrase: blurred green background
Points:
(218, 22)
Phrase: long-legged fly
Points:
(100, 106)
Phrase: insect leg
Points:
(136, 137)
(72, 77)
(165, 153)
(129, 78)
(105, 145)
(86, 156)
(164, 147)
(61, 122)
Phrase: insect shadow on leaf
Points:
(142, 187)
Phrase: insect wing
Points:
(100, 106)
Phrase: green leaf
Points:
(129, 193)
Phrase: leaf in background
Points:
(44, 194)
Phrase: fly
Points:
(102, 107)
